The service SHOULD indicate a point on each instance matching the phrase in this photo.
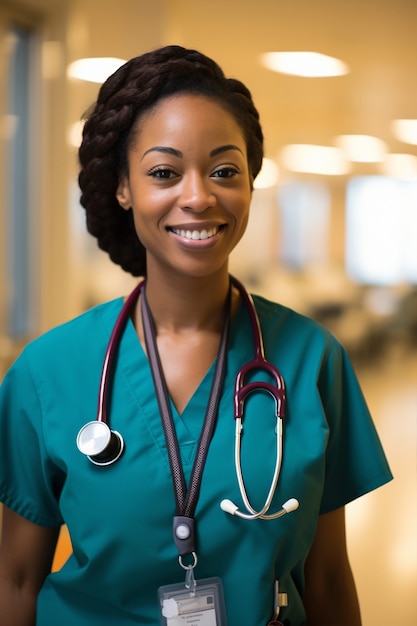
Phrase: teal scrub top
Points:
(120, 517)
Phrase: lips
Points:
(196, 234)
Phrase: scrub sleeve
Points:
(120, 517)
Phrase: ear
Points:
(123, 195)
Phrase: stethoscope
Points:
(104, 446)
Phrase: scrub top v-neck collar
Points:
(133, 361)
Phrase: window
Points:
(305, 214)
(20, 187)
(381, 227)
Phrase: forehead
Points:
(189, 113)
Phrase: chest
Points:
(185, 360)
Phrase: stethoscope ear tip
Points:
(228, 506)
(291, 505)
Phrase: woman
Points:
(169, 155)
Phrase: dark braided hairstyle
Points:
(110, 129)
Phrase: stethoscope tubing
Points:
(104, 446)
(252, 513)
(258, 362)
(96, 440)
(111, 350)
(242, 390)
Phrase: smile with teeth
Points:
(197, 234)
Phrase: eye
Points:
(225, 172)
(164, 173)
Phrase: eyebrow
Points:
(179, 154)
(226, 148)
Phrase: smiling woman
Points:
(189, 193)
(169, 154)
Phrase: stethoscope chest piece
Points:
(99, 443)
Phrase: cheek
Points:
(242, 208)
(241, 214)
(244, 224)
(143, 225)
(151, 202)
(148, 211)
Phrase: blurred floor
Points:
(382, 526)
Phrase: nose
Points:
(196, 194)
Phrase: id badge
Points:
(203, 605)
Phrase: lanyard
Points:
(186, 499)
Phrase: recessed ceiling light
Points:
(405, 130)
(94, 69)
(314, 159)
(268, 176)
(362, 148)
(308, 64)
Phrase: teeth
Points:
(196, 234)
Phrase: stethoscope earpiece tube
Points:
(230, 507)
(242, 390)
(100, 444)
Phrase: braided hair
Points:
(110, 129)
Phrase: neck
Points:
(183, 303)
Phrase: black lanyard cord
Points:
(186, 500)
(210, 418)
(161, 389)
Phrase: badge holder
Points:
(201, 605)
(197, 602)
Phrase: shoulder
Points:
(292, 326)
(77, 336)
(297, 341)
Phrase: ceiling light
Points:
(313, 159)
(362, 148)
(402, 166)
(405, 130)
(268, 176)
(309, 64)
(94, 69)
